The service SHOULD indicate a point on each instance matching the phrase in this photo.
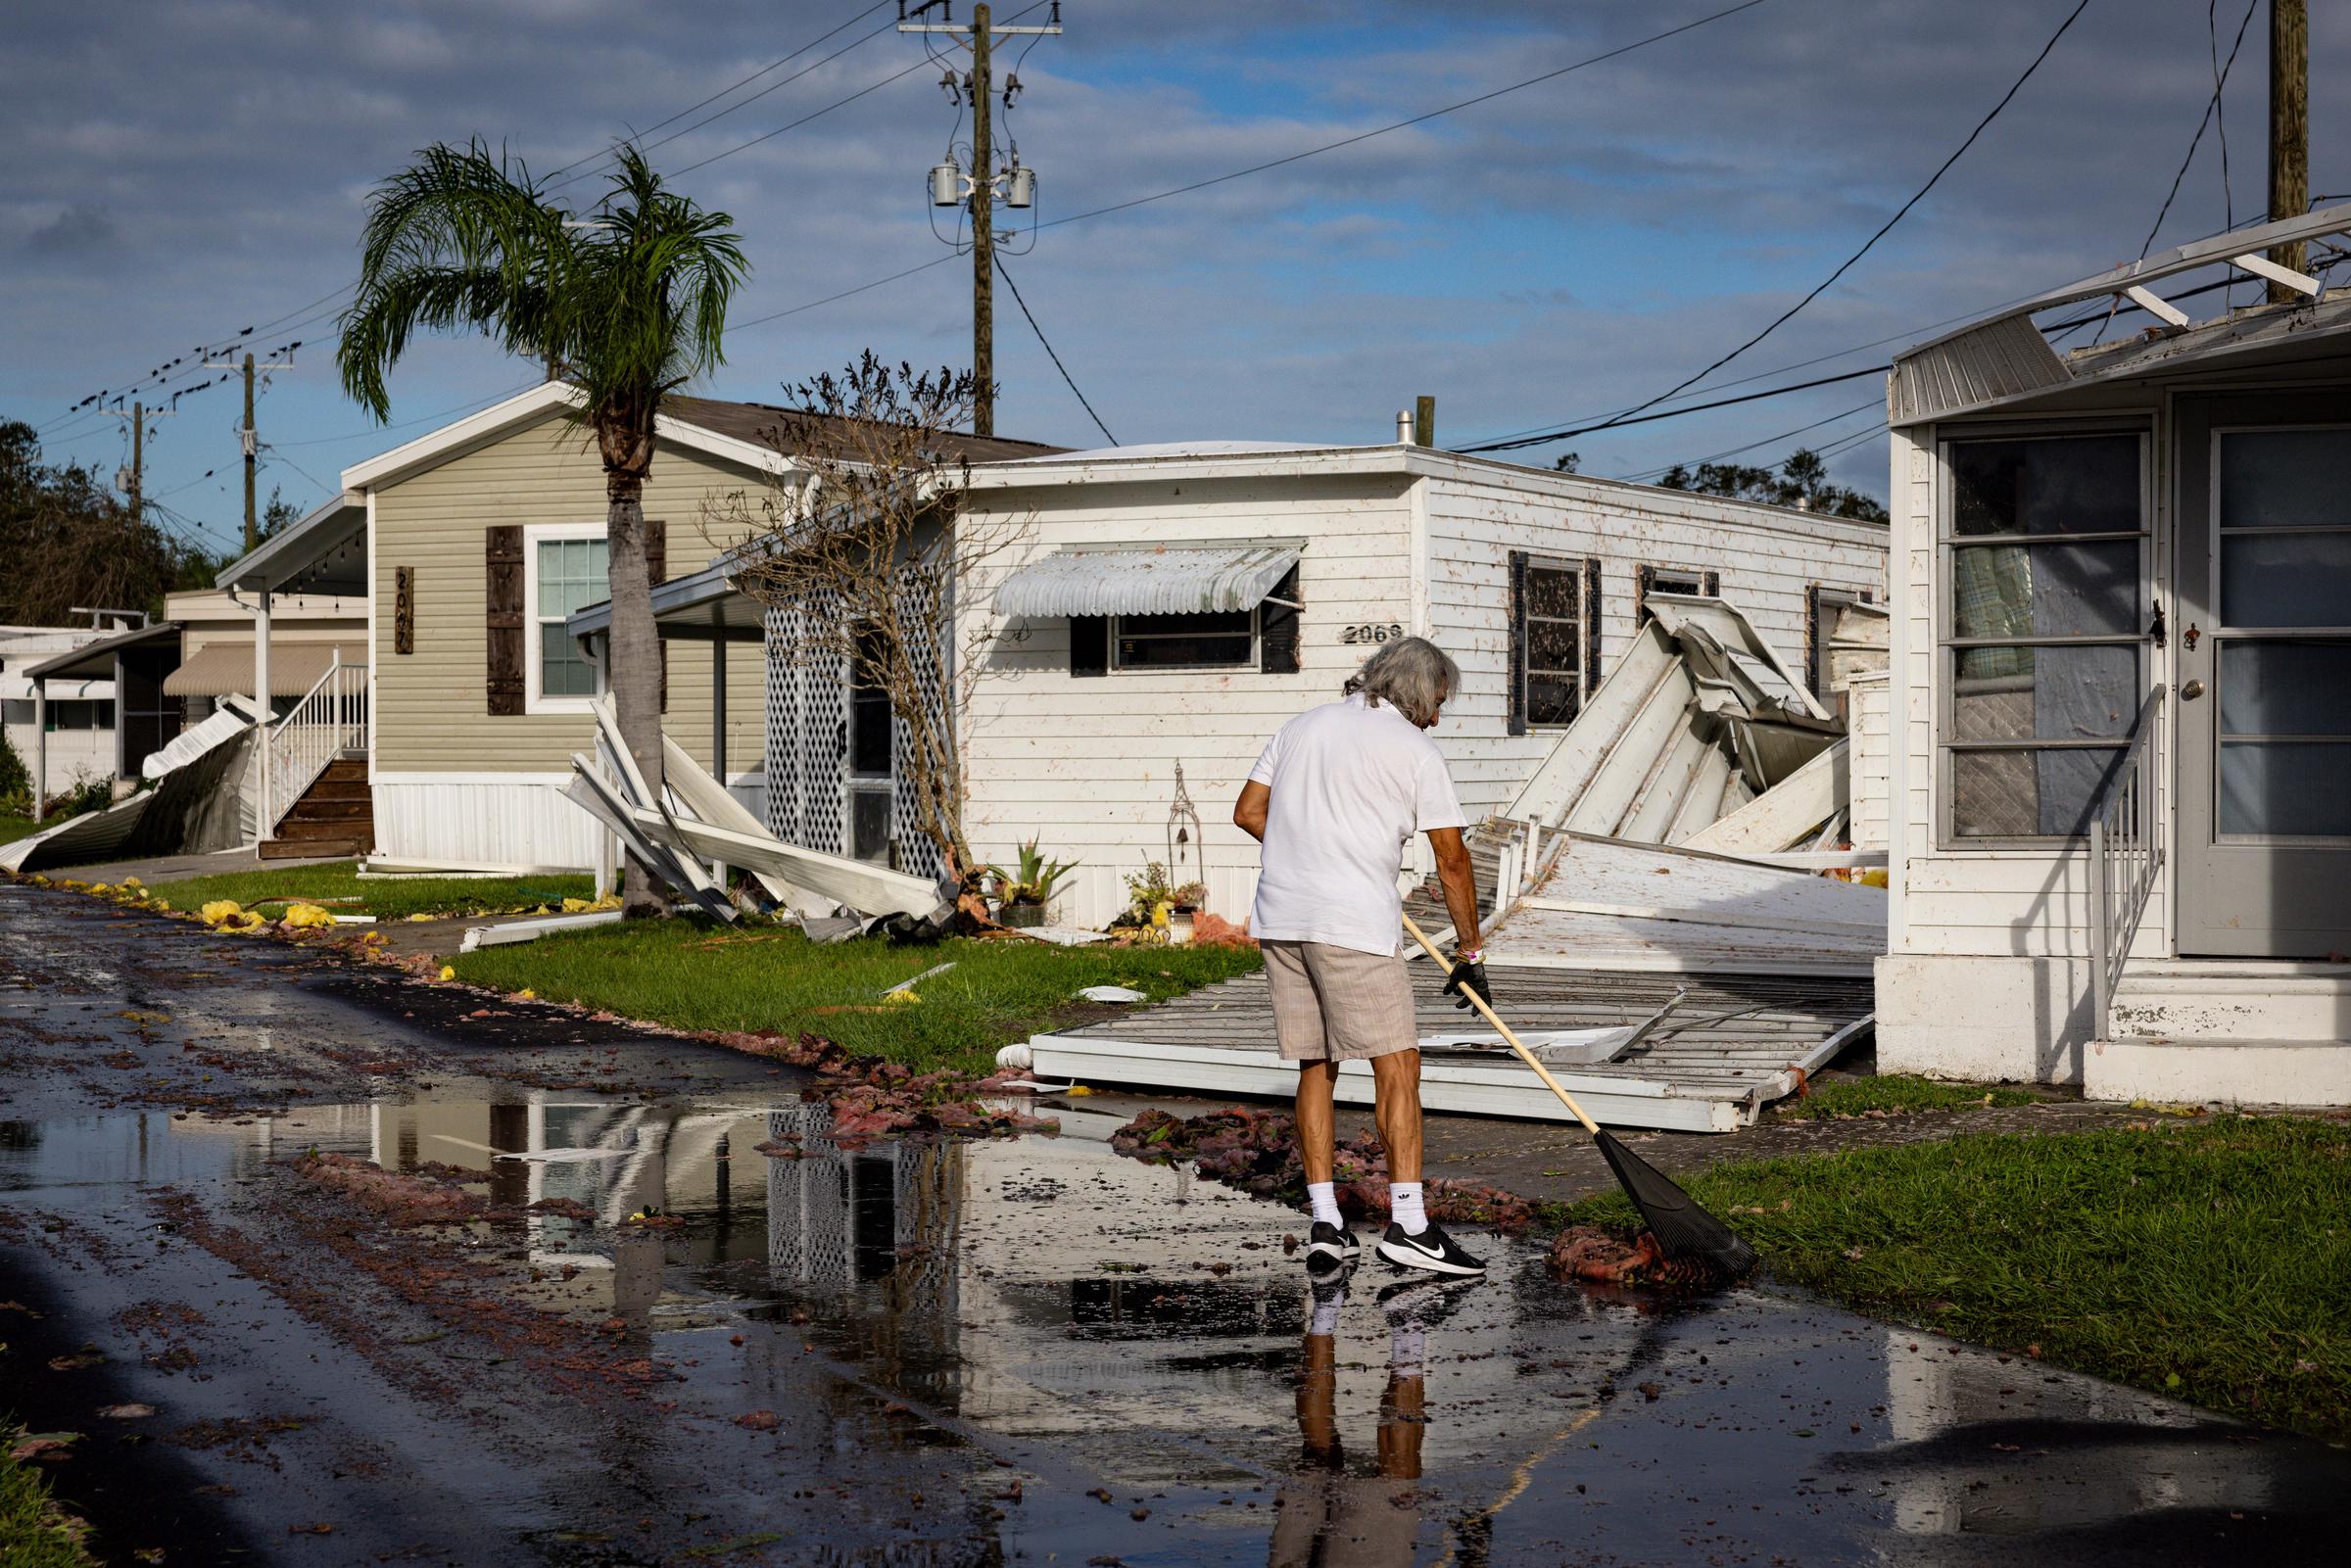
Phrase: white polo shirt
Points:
(1352, 784)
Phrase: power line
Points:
(731, 86)
(1676, 413)
(1401, 125)
(1055, 357)
(2195, 141)
(1733, 451)
(1846, 265)
(778, 316)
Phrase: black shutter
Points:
(1644, 578)
(1090, 645)
(1814, 635)
(501, 556)
(1517, 661)
(1712, 583)
(1277, 628)
(1591, 626)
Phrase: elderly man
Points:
(1337, 794)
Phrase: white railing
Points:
(2126, 852)
(329, 722)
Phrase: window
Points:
(1647, 580)
(2042, 615)
(1184, 642)
(1549, 620)
(569, 570)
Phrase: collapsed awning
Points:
(225, 669)
(1167, 580)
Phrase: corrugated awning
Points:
(1169, 579)
(226, 668)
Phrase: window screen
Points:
(2044, 661)
(1185, 642)
(1554, 628)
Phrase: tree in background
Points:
(868, 541)
(1801, 481)
(628, 306)
(1570, 462)
(68, 540)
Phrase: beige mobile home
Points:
(470, 546)
(2121, 836)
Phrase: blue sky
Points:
(184, 170)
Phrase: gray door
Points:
(2262, 633)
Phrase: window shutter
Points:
(1712, 583)
(1644, 579)
(503, 627)
(657, 572)
(1090, 645)
(1591, 630)
(1517, 660)
(1277, 628)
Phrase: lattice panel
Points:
(808, 1211)
(917, 853)
(807, 726)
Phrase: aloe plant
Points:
(1037, 879)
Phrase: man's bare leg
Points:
(1317, 1121)
(1396, 1090)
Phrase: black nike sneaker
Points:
(1331, 1248)
(1431, 1249)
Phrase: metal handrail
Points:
(2126, 855)
(330, 720)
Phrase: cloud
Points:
(79, 234)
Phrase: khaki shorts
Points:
(1336, 1004)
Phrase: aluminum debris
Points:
(1171, 580)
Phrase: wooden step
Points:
(313, 807)
(338, 790)
(298, 828)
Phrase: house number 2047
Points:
(1372, 633)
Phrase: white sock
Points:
(1404, 1207)
(1323, 1198)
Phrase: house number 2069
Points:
(1372, 633)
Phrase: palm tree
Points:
(628, 306)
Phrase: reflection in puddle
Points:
(1145, 1354)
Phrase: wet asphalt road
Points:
(911, 1351)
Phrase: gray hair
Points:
(1413, 674)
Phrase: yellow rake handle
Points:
(1504, 1029)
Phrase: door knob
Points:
(2192, 691)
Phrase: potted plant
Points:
(1023, 896)
(1187, 900)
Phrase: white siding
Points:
(482, 818)
(1767, 556)
(1088, 764)
(1870, 718)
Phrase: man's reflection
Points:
(1325, 1515)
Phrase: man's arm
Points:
(1249, 813)
(1459, 882)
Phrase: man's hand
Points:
(1469, 975)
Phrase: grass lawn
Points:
(34, 1532)
(386, 900)
(2206, 1260)
(1898, 1095)
(693, 974)
(13, 827)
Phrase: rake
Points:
(1685, 1233)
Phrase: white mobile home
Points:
(1162, 610)
(2121, 836)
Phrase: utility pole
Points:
(983, 235)
(133, 479)
(247, 438)
(980, 37)
(2289, 132)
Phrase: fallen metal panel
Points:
(875, 890)
(711, 801)
(1444, 1086)
(530, 931)
(1788, 812)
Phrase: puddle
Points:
(1033, 1347)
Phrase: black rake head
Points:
(1686, 1233)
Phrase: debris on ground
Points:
(1257, 1152)
(1598, 1256)
(405, 1200)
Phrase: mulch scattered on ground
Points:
(1257, 1152)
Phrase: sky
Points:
(182, 172)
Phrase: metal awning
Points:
(18, 689)
(94, 661)
(225, 669)
(1202, 579)
(703, 607)
(326, 553)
